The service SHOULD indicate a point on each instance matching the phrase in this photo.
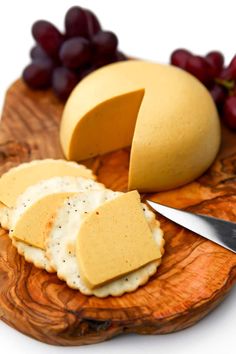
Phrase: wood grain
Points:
(195, 274)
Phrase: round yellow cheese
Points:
(165, 114)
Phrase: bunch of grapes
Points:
(219, 80)
(60, 61)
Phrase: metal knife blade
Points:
(217, 230)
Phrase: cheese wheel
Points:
(177, 132)
(18, 179)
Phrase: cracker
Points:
(33, 255)
(30, 196)
(4, 216)
(61, 245)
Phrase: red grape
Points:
(226, 74)
(98, 62)
(63, 82)
(232, 67)
(216, 61)
(60, 61)
(199, 67)
(76, 22)
(75, 52)
(229, 112)
(179, 58)
(119, 56)
(92, 23)
(48, 37)
(218, 95)
(38, 53)
(38, 74)
(229, 73)
(105, 43)
(86, 71)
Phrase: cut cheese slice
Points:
(177, 131)
(35, 224)
(16, 180)
(114, 240)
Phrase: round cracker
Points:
(5, 216)
(61, 244)
(34, 193)
(33, 255)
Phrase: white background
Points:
(148, 29)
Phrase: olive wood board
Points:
(195, 274)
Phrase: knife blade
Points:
(217, 230)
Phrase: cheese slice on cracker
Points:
(115, 239)
(34, 225)
(33, 216)
(18, 179)
(61, 245)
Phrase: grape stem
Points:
(228, 84)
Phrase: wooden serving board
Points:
(195, 274)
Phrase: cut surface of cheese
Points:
(114, 120)
(177, 131)
(35, 224)
(115, 239)
(16, 180)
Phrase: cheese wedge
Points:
(177, 131)
(16, 180)
(35, 224)
(114, 240)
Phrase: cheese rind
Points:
(16, 180)
(35, 224)
(177, 131)
(114, 240)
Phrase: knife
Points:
(217, 230)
